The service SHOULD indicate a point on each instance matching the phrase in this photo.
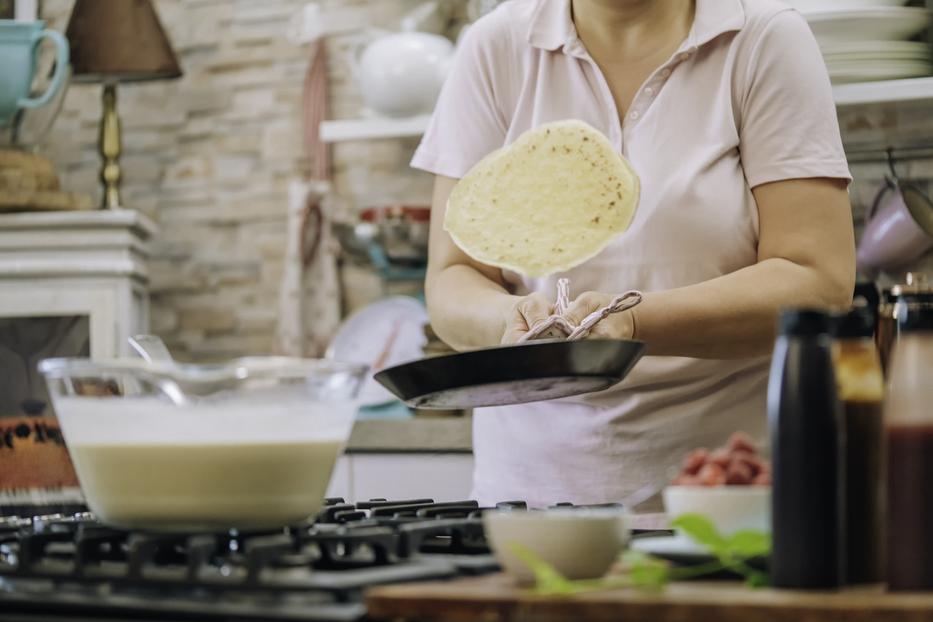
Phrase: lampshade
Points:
(120, 41)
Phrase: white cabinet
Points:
(88, 263)
(71, 284)
(438, 476)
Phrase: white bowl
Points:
(730, 508)
(578, 543)
(248, 445)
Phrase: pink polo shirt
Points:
(745, 100)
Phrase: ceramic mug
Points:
(19, 46)
(899, 229)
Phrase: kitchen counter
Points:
(412, 435)
(494, 598)
(422, 457)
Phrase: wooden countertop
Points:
(494, 598)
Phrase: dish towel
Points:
(558, 326)
(309, 297)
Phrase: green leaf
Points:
(757, 579)
(701, 530)
(646, 571)
(749, 543)
(547, 579)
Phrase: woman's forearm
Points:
(467, 309)
(806, 258)
(734, 315)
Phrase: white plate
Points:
(879, 24)
(870, 58)
(919, 53)
(877, 48)
(811, 6)
(678, 544)
(895, 71)
(391, 329)
(881, 65)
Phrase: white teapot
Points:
(401, 74)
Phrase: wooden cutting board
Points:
(494, 598)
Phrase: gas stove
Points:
(73, 567)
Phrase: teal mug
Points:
(19, 46)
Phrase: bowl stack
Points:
(869, 40)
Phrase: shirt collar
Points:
(552, 26)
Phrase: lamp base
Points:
(110, 147)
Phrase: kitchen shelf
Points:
(887, 91)
(377, 127)
(860, 93)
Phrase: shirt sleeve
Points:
(467, 123)
(788, 125)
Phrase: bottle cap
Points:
(856, 324)
(803, 322)
(866, 293)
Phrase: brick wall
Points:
(209, 158)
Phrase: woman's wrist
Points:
(622, 324)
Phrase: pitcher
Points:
(19, 46)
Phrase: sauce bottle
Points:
(908, 413)
(808, 452)
(860, 385)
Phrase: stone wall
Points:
(209, 157)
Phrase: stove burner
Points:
(316, 571)
(73, 567)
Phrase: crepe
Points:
(548, 202)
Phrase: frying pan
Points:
(529, 372)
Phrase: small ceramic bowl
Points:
(730, 508)
(580, 543)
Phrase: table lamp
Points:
(117, 41)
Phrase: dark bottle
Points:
(908, 414)
(808, 453)
(860, 385)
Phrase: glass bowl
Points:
(249, 444)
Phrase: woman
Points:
(725, 110)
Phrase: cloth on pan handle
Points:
(558, 325)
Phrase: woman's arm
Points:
(806, 257)
(468, 303)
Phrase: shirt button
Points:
(685, 56)
(634, 114)
(666, 73)
(649, 91)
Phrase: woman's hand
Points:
(614, 326)
(523, 314)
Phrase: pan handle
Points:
(619, 304)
